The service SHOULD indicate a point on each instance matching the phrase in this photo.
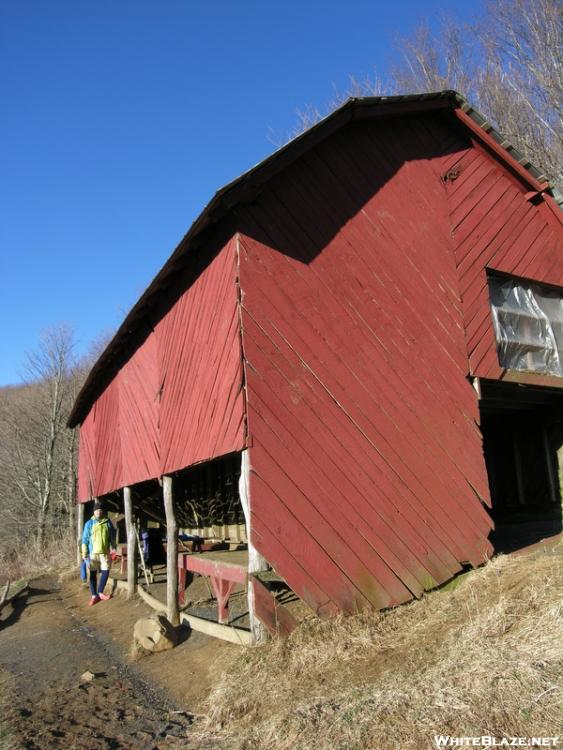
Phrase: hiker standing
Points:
(98, 538)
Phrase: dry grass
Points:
(7, 739)
(26, 561)
(485, 658)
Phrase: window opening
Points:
(528, 325)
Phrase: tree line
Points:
(38, 453)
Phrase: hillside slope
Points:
(483, 656)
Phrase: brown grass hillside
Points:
(485, 657)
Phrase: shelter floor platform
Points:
(200, 600)
(236, 556)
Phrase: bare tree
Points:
(507, 63)
(37, 455)
(521, 81)
(430, 61)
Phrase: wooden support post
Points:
(256, 562)
(131, 543)
(79, 530)
(171, 553)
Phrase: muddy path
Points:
(45, 648)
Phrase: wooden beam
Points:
(224, 632)
(79, 530)
(171, 553)
(276, 618)
(131, 543)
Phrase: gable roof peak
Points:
(249, 184)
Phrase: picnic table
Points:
(224, 569)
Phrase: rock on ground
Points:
(154, 634)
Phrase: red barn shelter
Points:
(353, 361)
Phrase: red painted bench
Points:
(223, 575)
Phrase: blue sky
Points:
(119, 120)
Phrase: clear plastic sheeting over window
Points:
(528, 323)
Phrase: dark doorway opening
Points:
(522, 429)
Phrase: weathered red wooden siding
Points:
(178, 399)
(202, 406)
(366, 458)
(108, 467)
(86, 458)
(495, 226)
(138, 384)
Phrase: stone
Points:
(154, 634)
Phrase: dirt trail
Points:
(46, 644)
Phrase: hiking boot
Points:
(104, 597)
(93, 600)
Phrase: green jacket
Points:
(98, 536)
